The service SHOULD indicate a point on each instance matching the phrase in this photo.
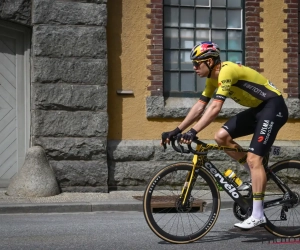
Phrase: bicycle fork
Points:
(188, 186)
(189, 182)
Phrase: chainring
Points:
(239, 213)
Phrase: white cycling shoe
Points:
(250, 223)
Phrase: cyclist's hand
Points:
(166, 136)
(189, 136)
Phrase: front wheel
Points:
(164, 212)
(283, 220)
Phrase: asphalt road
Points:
(120, 231)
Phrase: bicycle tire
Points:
(161, 211)
(280, 222)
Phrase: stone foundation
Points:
(131, 164)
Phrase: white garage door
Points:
(14, 99)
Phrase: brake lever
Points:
(190, 149)
(182, 149)
(164, 137)
(178, 138)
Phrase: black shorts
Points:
(263, 121)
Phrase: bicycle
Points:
(182, 202)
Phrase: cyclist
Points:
(266, 114)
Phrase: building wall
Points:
(69, 90)
(128, 68)
(68, 86)
(127, 50)
(135, 63)
(16, 11)
(273, 40)
(97, 139)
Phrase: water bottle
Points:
(231, 175)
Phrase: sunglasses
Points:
(196, 63)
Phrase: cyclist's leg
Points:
(259, 180)
(239, 125)
(258, 177)
(272, 116)
(270, 119)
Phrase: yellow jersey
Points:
(240, 83)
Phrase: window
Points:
(186, 23)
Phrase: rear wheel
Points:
(163, 209)
(283, 220)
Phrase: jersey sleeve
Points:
(208, 92)
(226, 78)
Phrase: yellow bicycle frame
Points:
(190, 176)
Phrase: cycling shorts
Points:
(263, 121)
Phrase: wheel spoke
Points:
(284, 219)
(168, 217)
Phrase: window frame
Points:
(157, 106)
(198, 83)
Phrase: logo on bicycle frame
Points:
(226, 185)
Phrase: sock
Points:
(258, 209)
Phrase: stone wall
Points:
(133, 163)
(18, 11)
(157, 106)
(68, 86)
(69, 91)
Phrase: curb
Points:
(72, 207)
(77, 207)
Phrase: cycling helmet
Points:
(205, 50)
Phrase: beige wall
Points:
(127, 70)
(273, 55)
(273, 41)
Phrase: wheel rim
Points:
(177, 222)
(284, 220)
